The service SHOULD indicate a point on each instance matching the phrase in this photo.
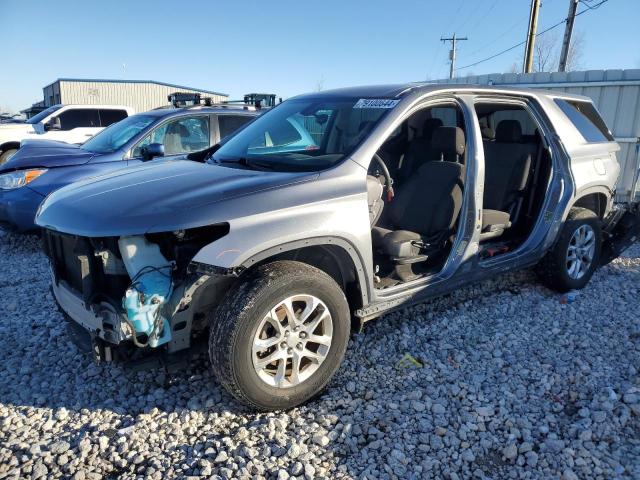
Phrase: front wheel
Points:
(570, 264)
(279, 337)
(7, 154)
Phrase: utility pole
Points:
(527, 65)
(452, 54)
(568, 31)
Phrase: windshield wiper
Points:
(246, 162)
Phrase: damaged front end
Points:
(136, 293)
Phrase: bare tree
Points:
(320, 83)
(547, 52)
(545, 56)
(575, 53)
(515, 68)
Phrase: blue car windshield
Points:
(43, 114)
(306, 134)
(115, 136)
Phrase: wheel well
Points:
(9, 145)
(596, 202)
(334, 261)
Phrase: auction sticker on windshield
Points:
(376, 103)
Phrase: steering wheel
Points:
(387, 176)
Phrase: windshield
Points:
(115, 136)
(43, 114)
(307, 134)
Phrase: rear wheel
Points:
(280, 336)
(6, 155)
(570, 264)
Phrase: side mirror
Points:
(152, 150)
(53, 124)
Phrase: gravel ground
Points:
(514, 384)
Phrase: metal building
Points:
(141, 95)
(615, 93)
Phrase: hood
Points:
(6, 126)
(47, 154)
(153, 197)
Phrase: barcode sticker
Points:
(376, 103)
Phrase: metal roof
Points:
(106, 80)
(402, 90)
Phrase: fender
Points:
(345, 245)
(353, 253)
(594, 189)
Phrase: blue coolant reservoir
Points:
(151, 287)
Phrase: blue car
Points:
(42, 166)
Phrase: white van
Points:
(66, 123)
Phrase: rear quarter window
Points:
(585, 117)
(110, 116)
(230, 123)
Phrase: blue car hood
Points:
(47, 154)
(154, 197)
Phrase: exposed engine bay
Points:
(136, 292)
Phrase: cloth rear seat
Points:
(507, 166)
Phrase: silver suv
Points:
(329, 210)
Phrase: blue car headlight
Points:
(13, 180)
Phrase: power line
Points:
(537, 35)
(472, 13)
(493, 41)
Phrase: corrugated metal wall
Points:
(616, 94)
(140, 96)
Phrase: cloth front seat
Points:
(173, 139)
(419, 149)
(426, 208)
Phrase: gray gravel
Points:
(514, 384)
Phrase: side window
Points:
(586, 119)
(447, 115)
(109, 116)
(79, 118)
(230, 123)
(183, 135)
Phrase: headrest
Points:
(448, 141)
(177, 129)
(487, 133)
(509, 131)
(429, 126)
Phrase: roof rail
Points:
(193, 100)
(224, 105)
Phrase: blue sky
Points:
(285, 47)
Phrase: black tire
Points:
(553, 270)
(239, 316)
(6, 155)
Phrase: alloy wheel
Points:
(581, 251)
(292, 341)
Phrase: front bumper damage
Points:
(124, 313)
